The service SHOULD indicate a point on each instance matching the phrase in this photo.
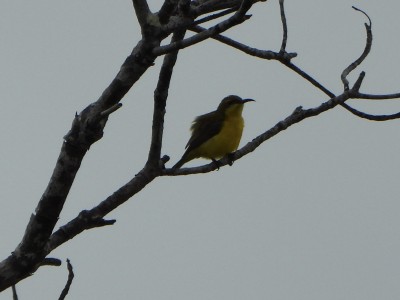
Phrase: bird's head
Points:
(232, 102)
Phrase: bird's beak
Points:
(248, 100)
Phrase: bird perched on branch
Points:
(217, 133)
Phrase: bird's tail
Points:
(179, 164)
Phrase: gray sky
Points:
(312, 214)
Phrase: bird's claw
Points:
(231, 158)
(216, 163)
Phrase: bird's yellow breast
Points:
(227, 140)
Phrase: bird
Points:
(217, 133)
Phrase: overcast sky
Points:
(312, 214)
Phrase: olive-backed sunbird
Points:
(217, 133)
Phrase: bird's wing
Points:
(203, 128)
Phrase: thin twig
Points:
(361, 96)
(51, 261)
(284, 26)
(309, 78)
(238, 18)
(214, 16)
(71, 275)
(264, 54)
(370, 116)
(365, 53)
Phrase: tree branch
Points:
(166, 10)
(206, 7)
(86, 129)
(214, 16)
(238, 18)
(142, 12)
(377, 97)
(71, 275)
(264, 54)
(94, 217)
(365, 53)
(160, 101)
(371, 117)
(284, 26)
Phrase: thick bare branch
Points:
(86, 129)
(87, 218)
(166, 10)
(142, 11)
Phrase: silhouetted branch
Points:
(370, 116)
(85, 220)
(238, 18)
(378, 97)
(264, 54)
(94, 217)
(309, 78)
(207, 7)
(365, 53)
(214, 16)
(71, 275)
(50, 261)
(160, 101)
(166, 10)
(142, 11)
(87, 127)
(284, 26)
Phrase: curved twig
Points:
(71, 275)
(365, 53)
(369, 116)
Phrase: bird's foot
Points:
(216, 163)
(231, 158)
